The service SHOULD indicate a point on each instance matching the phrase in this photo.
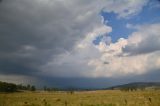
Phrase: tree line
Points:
(10, 87)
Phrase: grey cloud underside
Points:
(148, 45)
(31, 33)
(95, 83)
(14, 68)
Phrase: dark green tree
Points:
(33, 88)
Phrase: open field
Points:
(85, 98)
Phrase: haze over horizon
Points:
(79, 43)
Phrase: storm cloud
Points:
(32, 32)
(53, 39)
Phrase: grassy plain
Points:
(85, 98)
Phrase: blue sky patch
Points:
(97, 40)
(148, 15)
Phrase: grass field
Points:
(85, 98)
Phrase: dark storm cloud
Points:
(25, 22)
(32, 32)
(14, 68)
(38, 37)
(151, 76)
(80, 82)
(24, 42)
(95, 83)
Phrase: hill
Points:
(137, 85)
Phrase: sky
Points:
(79, 43)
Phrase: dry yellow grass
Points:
(87, 98)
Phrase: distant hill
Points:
(138, 85)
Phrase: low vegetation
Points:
(82, 98)
(118, 96)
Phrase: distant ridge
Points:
(137, 85)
